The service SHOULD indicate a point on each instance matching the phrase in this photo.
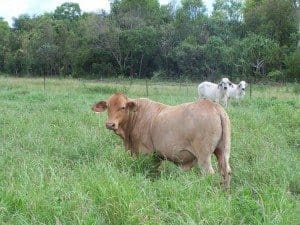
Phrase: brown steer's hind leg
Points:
(224, 168)
(205, 163)
(203, 155)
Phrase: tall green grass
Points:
(59, 165)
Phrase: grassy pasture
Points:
(59, 165)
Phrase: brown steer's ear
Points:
(100, 106)
(131, 105)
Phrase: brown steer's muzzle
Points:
(111, 125)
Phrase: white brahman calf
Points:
(237, 91)
(215, 92)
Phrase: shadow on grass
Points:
(294, 187)
(147, 165)
(153, 167)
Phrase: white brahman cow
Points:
(215, 92)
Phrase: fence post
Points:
(187, 90)
(250, 87)
(147, 87)
(44, 82)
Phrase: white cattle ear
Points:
(99, 107)
(131, 105)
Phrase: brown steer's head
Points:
(118, 107)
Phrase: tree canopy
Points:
(139, 38)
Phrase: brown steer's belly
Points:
(179, 156)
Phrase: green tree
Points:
(4, 41)
(23, 23)
(42, 46)
(47, 52)
(227, 20)
(230, 10)
(218, 58)
(190, 18)
(130, 34)
(273, 19)
(67, 10)
(130, 14)
(259, 55)
(292, 63)
(189, 57)
(140, 45)
(91, 56)
(193, 8)
(168, 41)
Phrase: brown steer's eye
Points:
(122, 108)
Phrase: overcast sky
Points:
(14, 8)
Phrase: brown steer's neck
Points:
(136, 131)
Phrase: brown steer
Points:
(185, 134)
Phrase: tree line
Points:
(251, 39)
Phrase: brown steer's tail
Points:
(222, 151)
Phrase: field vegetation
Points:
(183, 39)
(59, 165)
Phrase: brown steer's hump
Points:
(208, 105)
(117, 99)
